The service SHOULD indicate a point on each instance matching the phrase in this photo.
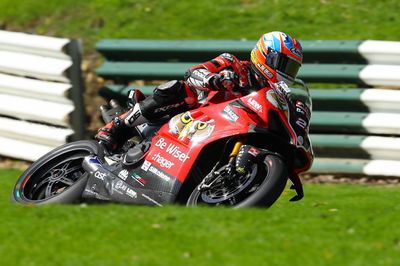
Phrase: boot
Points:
(119, 130)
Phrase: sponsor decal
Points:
(123, 174)
(164, 163)
(230, 115)
(145, 166)
(194, 130)
(159, 173)
(253, 151)
(122, 188)
(302, 109)
(265, 70)
(296, 51)
(150, 199)
(131, 193)
(172, 149)
(301, 123)
(187, 127)
(256, 105)
(139, 179)
(133, 116)
(165, 108)
(99, 175)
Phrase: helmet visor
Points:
(283, 63)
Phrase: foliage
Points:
(93, 20)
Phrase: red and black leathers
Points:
(173, 97)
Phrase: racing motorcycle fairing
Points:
(159, 166)
(177, 145)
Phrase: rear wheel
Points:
(57, 177)
(260, 187)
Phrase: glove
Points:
(226, 79)
(114, 134)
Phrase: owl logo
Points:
(188, 128)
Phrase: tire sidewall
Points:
(272, 187)
(73, 192)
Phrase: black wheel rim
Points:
(229, 190)
(53, 177)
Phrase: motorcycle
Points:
(235, 150)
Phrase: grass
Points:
(332, 225)
(93, 20)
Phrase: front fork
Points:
(235, 151)
(240, 161)
(212, 177)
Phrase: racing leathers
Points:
(223, 72)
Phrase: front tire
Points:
(262, 188)
(57, 177)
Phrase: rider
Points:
(276, 57)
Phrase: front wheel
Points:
(260, 187)
(57, 177)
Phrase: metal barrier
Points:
(40, 94)
(372, 63)
(353, 130)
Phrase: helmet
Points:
(276, 57)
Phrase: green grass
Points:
(332, 225)
(93, 20)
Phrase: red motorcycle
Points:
(235, 149)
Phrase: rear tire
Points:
(270, 179)
(56, 177)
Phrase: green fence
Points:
(353, 130)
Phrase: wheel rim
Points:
(53, 177)
(228, 190)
